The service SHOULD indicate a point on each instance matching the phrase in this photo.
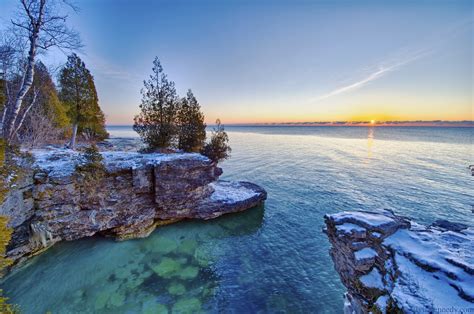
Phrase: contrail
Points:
(372, 77)
(356, 85)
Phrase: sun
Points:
(372, 121)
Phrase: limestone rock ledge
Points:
(53, 202)
(390, 264)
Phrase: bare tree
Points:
(38, 129)
(42, 25)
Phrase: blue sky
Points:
(279, 61)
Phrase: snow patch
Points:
(382, 303)
(373, 279)
(230, 192)
(365, 254)
(371, 219)
(62, 162)
(434, 265)
(348, 228)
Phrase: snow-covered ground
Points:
(420, 269)
(62, 162)
(230, 192)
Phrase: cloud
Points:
(104, 68)
(375, 75)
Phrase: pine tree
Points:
(78, 93)
(156, 122)
(218, 148)
(48, 99)
(191, 126)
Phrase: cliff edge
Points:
(390, 264)
(52, 201)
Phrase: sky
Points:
(282, 61)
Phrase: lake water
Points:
(271, 259)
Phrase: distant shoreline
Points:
(441, 124)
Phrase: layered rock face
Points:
(137, 192)
(389, 264)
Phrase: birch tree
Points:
(42, 26)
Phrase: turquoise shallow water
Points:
(272, 259)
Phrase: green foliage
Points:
(5, 231)
(191, 126)
(48, 99)
(156, 122)
(218, 148)
(92, 170)
(78, 93)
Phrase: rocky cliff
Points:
(52, 201)
(390, 264)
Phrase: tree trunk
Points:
(25, 87)
(27, 81)
(72, 145)
(33, 101)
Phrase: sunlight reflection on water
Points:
(268, 259)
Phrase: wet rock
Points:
(453, 226)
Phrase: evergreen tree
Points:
(78, 93)
(48, 99)
(218, 148)
(156, 122)
(191, 126)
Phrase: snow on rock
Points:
(406, 267)
(367, 218)
(372, 279)
(382, 303)
(230, 192)
(365, 253)
(62, 162)
(349, 228)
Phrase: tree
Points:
(156, 122)
(218, 148)
(41, 25)
(78, 93)
(47, 121)
(191, 126)
(44, 97)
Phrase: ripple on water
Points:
(270, 259)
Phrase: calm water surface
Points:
(272, 259)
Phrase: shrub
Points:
(92, 169)
(218, 148)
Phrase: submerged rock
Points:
(175, 288)
(390, 264)
(167, 268)
(187, 306)
(137, 193)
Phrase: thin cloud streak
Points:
(372, 77)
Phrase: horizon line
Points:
(370, 123)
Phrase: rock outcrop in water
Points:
(52, 202)
(390, 264)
